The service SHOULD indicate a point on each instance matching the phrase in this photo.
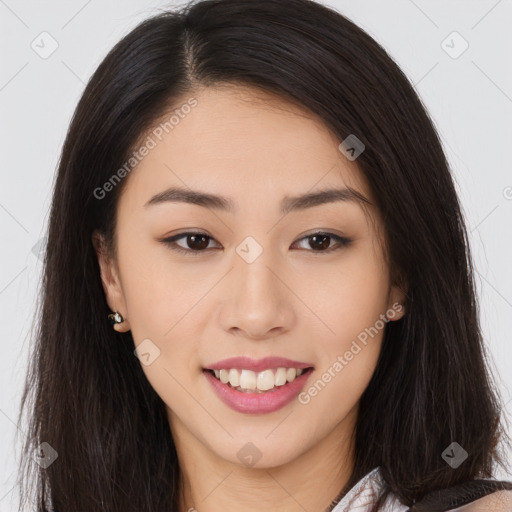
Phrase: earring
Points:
(115, 318)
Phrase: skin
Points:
(500, 501)
(291, 301)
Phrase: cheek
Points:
(350, 295)
(166, 304)
(157, 291)
(348, 352)
(352, 307)
(164, 319)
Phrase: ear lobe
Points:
(396, 303)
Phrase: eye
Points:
(195, 242)
(199, 242)
(322, 240)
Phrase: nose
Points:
(258, 302)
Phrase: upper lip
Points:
(257, 365)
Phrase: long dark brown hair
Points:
(86, 394)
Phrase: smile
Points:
(257, 401)
(249, 381)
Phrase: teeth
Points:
(281, 377)
(291, 373)
(265, 380)
(234, 378)
(249, 381)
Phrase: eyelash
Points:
(171, 242)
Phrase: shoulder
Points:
(472, 496)
(499, 501)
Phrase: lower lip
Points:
(258, 403)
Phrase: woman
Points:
(254, 195)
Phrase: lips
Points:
(257, 401)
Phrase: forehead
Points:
(241, 142)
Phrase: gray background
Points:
(468, 93)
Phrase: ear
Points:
(396, 300)
(110, 280)
(396, 307)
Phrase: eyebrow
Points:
(288, 204)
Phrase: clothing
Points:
(362, 496)
(365, 493)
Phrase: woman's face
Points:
(257, 285)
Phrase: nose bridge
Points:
(257, 301)
(254, 280)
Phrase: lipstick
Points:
(254, 402)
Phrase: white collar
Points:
(365, 493)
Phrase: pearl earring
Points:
(115, 318)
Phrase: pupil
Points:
(200, 246)
(324, 244)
